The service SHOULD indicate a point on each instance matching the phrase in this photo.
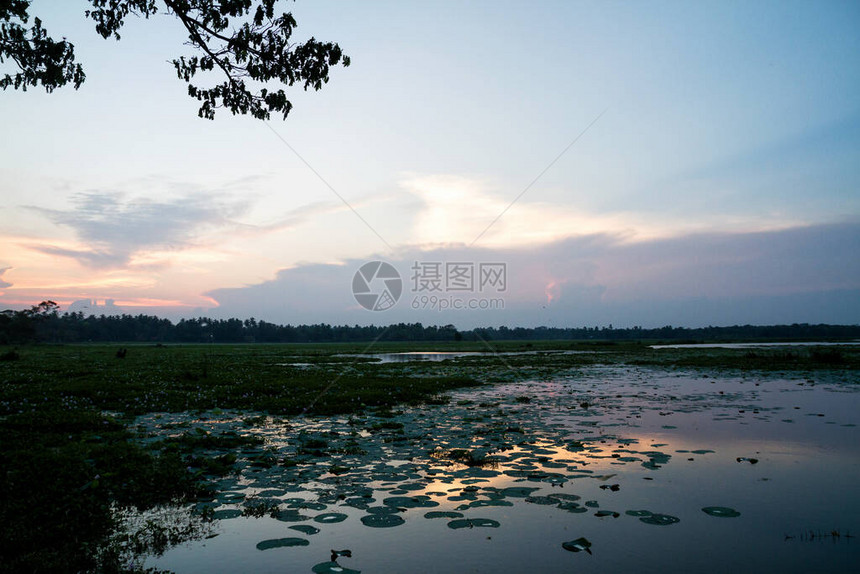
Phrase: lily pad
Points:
(573, 507)
(443, 514)
(721, 511)
(382, 520)
(410, 502)
(494, 502)
(473, 523)
(660, 519)
(272, 492)
(291, 516)
(306, 505)
(330, 518)
(542, 500)
(605, 513)
(281, 543)
(577, 545)
(571, 497)
(517, 491)
(305, 529)
(332, 568)
(638, 513)
(382, 510)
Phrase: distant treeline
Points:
(44, 323)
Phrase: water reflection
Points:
(755, 345)
(488, 482)
(436, 356)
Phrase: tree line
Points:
(45, 324)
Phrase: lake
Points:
(635, 468)
(754, 345)
(436, 356)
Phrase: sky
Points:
(522, 164)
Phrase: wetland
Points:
(477, 458)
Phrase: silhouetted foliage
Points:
(43, 323)
(243, 39)
(40, 59)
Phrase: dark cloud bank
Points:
(800, 275)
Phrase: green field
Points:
(72, 455)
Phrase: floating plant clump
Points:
(332, 568)
(638, 513)
(480, 503)
(291, 516)
(573, 507)
(449, 462)
(281, 543)
(542, 500)
(305, 529)
(721, 511)
(382, 520)
(473, 523)
(518, 491)
(577, 545)
(443, 514)
(382, 510)
(330, 518)
(660, 519)
(410, 502)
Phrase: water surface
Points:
(626, 458)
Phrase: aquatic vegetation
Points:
(543, 500)
(834, 535)
(332, 568)
(577, 545)
(282, 543)
(382, 520)
(290, 515)
(10, 355)
(721, 511)
(65, 473)
(305, 529)
(660, 519)
(465, 456)
(410, 502)
(245, 457)
(638, 513)
(330, 518)
(442, 514)
(473, 523)
(259, 507)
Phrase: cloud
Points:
(463, 210)
(296, 217)
(469, 211)
(803, 274)
(3, 283)
(115, 227)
